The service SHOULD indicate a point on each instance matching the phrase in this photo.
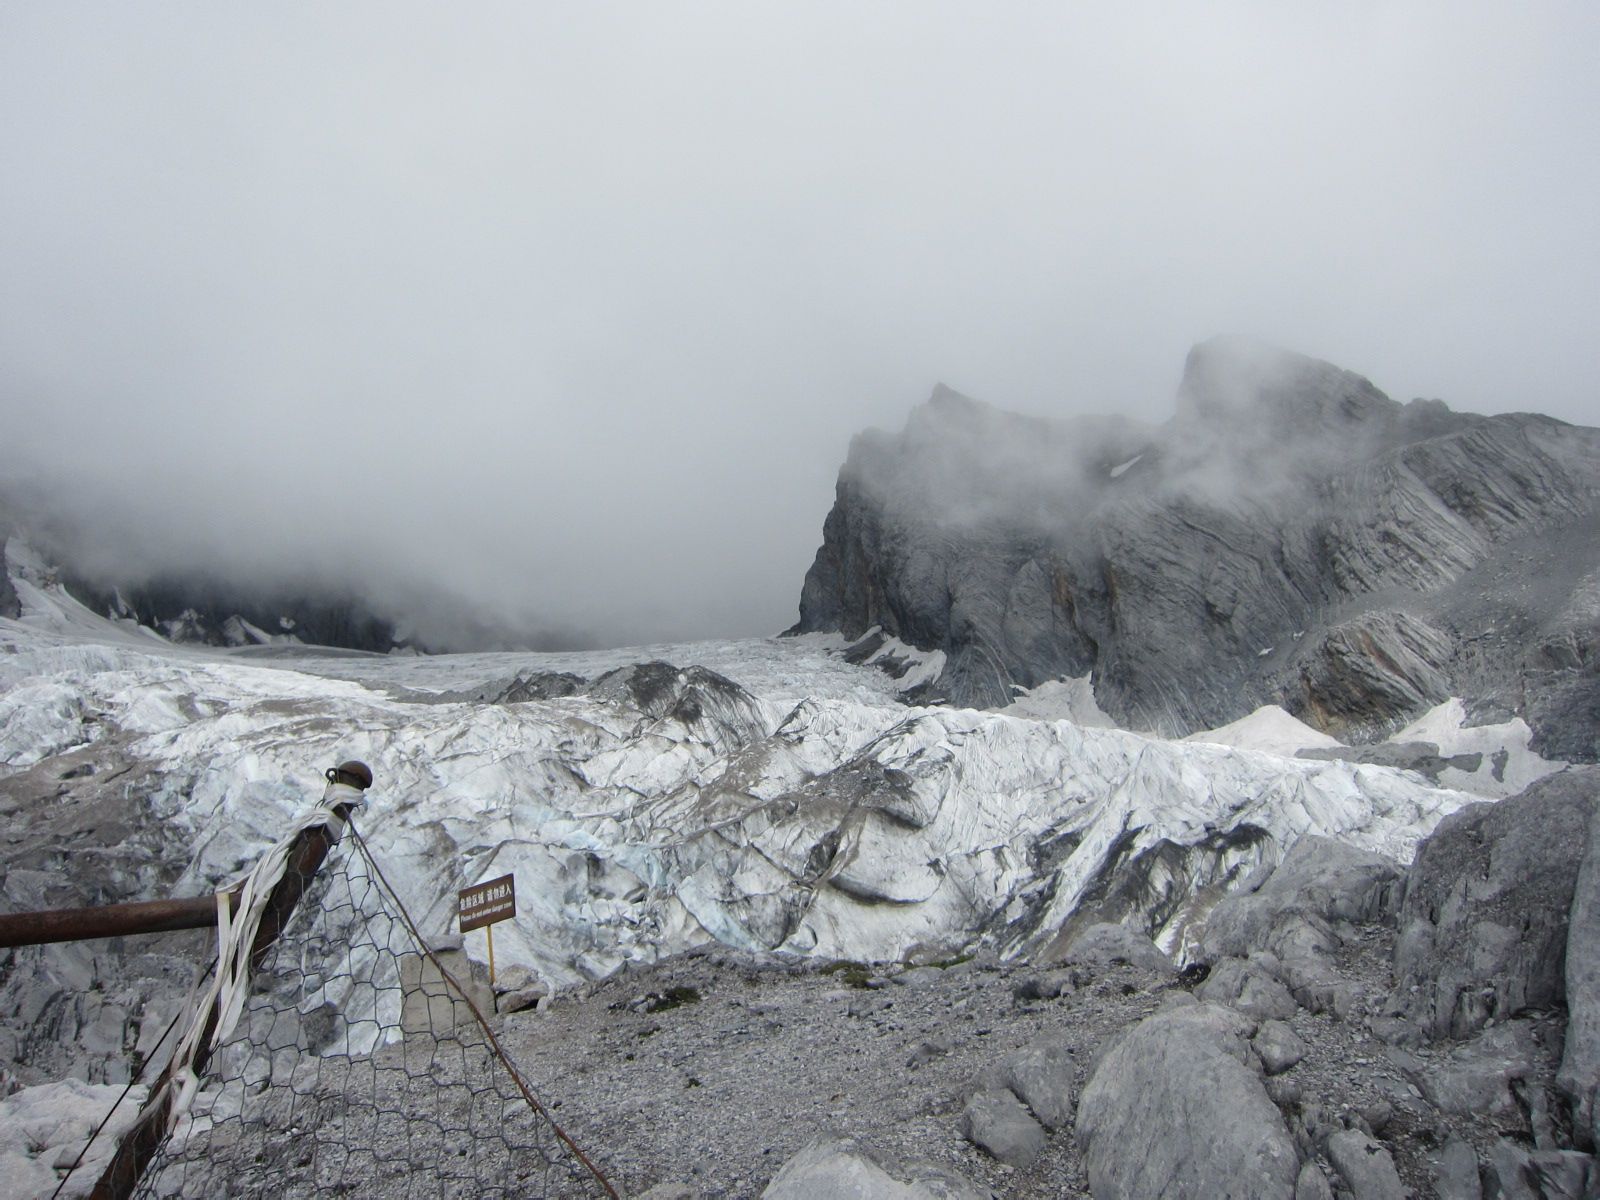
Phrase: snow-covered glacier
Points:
(766, 794)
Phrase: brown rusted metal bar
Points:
(139, 1144)
(108, 920)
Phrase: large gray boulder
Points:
(997, 1121)
(839, 1168)
(1579, 1076)
(1478, 1076)
(1485, 920)
(1278, 1047)
(1455, 1175)
(1104, 944)
(1173, 1109)
(1248, 985)
(1366, 1167)
(1521, 1174)
(1041, 1074)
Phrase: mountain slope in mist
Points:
(1291, 536)
(153, 580)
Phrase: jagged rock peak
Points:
(1292, 536)
(1240, 397)
(947, 398)
(1229, 378)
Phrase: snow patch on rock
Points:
(1509, 762)
(1268, 730)
(1060, 700)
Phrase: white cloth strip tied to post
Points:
(237, 925)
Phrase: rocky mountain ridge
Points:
(1292, 536)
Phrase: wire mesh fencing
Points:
(360, 1067)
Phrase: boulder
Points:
(837, 1168)
(1455, 1175)
(1477, 1076)
(1045, 986)
(1312, 1184)
(1484, 923)
(1301, 915)
(996, 1121)
(1105, 944)
(1040, 1074)
(1396, 1031)
(1522, 1174)
(1245, 984)
(431, 1003)
(1173, 1110)
(1320, 884)
(1279, 1047)
(927, 1051)
(1366, 1167)
(522, 999)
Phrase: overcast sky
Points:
(576, 306)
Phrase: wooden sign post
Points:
(481, 905)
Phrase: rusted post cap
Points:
(355, 774)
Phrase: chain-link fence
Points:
(359, 1067)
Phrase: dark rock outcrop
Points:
(1291, 536)
(1579, 1077)
(10, 604)
(215, 613)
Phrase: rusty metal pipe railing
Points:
(105, 921)
(152, 916)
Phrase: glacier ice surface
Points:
(817, 816)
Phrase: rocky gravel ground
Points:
(1351, 1077)
(709, 1071)
(754, 1059)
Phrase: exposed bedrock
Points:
(1291, 536)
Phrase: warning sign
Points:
(485, 903)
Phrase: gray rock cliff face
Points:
(1485, 921)
(1291, 536)
(1580, 1062)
